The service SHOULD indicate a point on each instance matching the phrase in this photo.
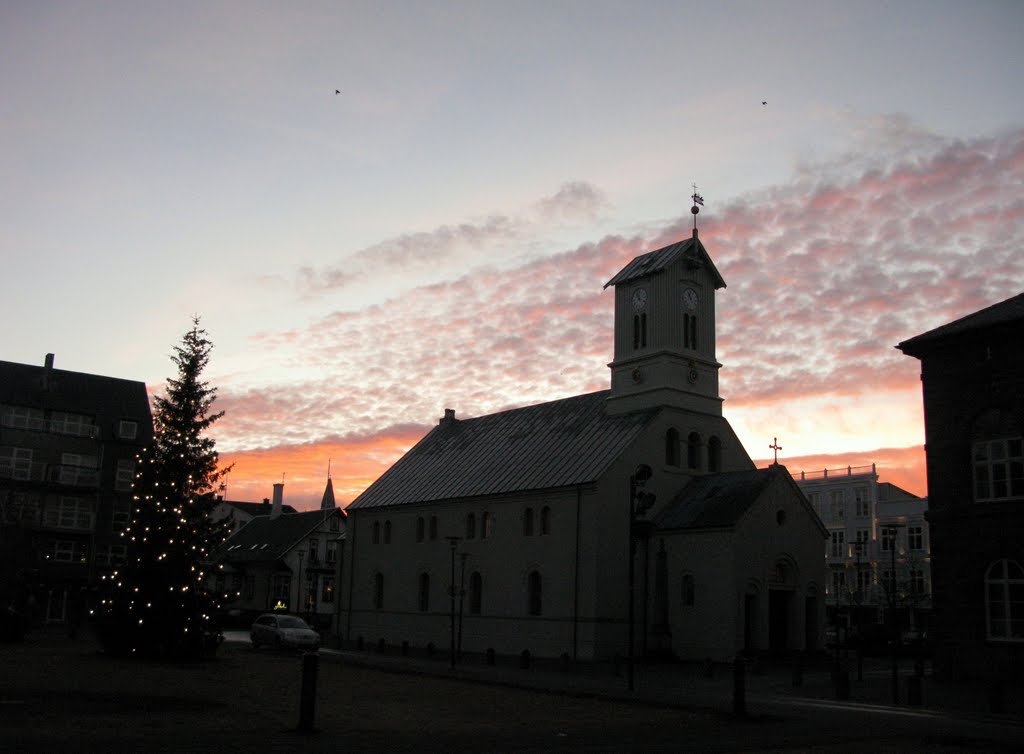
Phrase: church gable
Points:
(556, 444)
(715, 501)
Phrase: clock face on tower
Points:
(690, 299)
(639, 299)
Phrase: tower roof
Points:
(659, 260)
(327, 501)
(1005, 312)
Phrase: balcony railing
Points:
(832, 473)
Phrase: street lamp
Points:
(298, 587)
(639, 502)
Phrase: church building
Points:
(624, 522)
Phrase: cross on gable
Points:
(776, 447)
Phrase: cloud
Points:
(825, 275)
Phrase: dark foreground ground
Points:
(59, 695)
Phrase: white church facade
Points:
(529, 516)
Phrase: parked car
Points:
(278, 631)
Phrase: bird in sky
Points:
(337, 91)
(763, 102)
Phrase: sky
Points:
(437, 233)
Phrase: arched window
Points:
(420, 529)
(433, 527)
(424, 592)
(387, 532)
(690, 331)
(486, 525)
(714, 453)
(1004, 601)
(471, 526)
(533, 587)
(672, 447)
(689, 590)
(545, 520)
(693, 451)
(639, 331)
(376, 532)
(476, 592)
(378, 590)
(528, 522)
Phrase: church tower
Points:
(665, 331)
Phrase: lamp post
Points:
(453, 542)
(639, 502)
(463, 556)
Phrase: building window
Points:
(376, 532)
(1004, 601)
(916, 581)
(250, 586)
(838, 583)
(471, 526)
(672, 447)
(378, 590)
(545, 520)
(22, 417)
(862, 502)
(282, 587)
(837, 506)
(915, 537)
(387, 532)
(64, 551)
(689, 590)
(863, 538)
(111, 555)
(327, 590)
(693, 451)
(433, 528)
(715, 453)
(486, 525)
(119, 518)
(863, 582)
(16, 463)
(639, 331)
(528, 522)
(126, 430)
(534, 593)
(124, 475)
(476, 590)
(332, 553)
(70, 513)
(889, 534)
(420, 529)
(424, 592)
(690, 331)
(836, 542)
(998, 469)
(314, 551)
(64, 423)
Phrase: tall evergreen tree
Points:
(158, 604)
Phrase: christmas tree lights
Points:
(171, 532)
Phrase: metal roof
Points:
(1005, 312)
(267, 539)
(716, 500)
(557, 444)
(659, 260)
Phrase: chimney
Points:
(47, 371)
(275, 511)
(449, 417)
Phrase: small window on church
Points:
(689, 590)
(476, 590)
(470, 526)
(693, 451)
(672, 447)
(639, 331)
(534, 593)
(714, 453)
(376, 532)
(486, 525)
(387, 532)
(528, 522)
(545, 520)
(424, 592)
(433, 527)
(420, 529)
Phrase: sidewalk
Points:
(695, 686)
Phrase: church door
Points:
(778, 619)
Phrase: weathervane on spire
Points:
(697, 199)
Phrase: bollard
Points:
(739, 686)
(490, 655)
(307, 697)
(524, 659)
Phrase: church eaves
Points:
(557, 444)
